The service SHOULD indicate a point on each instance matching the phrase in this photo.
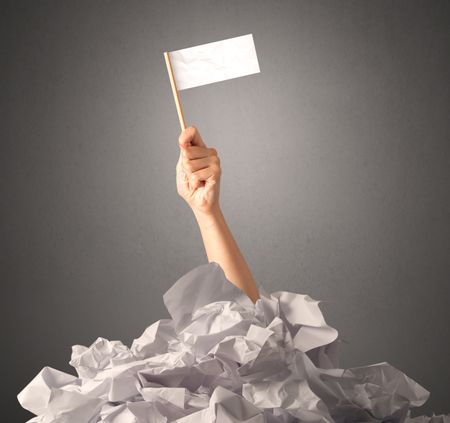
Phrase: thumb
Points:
(190, 136)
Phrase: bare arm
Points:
(198, 182)
(221, 247)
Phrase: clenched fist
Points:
(198, 173)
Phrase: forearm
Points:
(221, 248)
(198, 179)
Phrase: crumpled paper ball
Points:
(221, 358)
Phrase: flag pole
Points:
(176, 97)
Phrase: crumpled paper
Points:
(221, 358)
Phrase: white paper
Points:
(214, 62)
(221, 358)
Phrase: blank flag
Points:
(208, 63)
(214, 62)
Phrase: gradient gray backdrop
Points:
(336, 168)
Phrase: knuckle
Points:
(188, 152)
(213, 152)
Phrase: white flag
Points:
(214, 62)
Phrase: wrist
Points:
(209, 218)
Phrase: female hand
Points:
(198, 173)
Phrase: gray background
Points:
(336, 166)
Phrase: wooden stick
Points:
(176, 97)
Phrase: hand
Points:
(198, 173)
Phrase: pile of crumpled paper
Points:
(221, 358)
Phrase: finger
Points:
(211, 173)
(181, 178)
(195, 152)
(180, 170)
(190, 136)
(191, 166)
